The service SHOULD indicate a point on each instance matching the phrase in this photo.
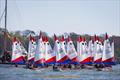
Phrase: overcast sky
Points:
(59, 16)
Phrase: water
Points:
(8, 72)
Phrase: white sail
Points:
(78, 47)
(72, 54)
(78, 51)
(85, 57)
(17, 56)
(57, 48)
(24, 51)
(50, 57)
(31, 49)
(98, 51)
(108, 52)
(62, 51)
(91, 49)
(40, 51)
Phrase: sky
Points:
(60, 16)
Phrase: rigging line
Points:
(21, 20)
(2, 16)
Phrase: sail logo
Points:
(18, 50)
(61, 50)
(108, 48)
(50, 51)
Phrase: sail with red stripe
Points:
(85, 57)
(108, 52)
(79, 40)
(98, 47)
(40, 51)
(91, 49)
(50, 57)
(17, 56)
(63, 52)
(31, 49)
(71, 52)
(59, 49)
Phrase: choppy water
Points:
(8, 72)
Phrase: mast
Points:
(5, 29)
